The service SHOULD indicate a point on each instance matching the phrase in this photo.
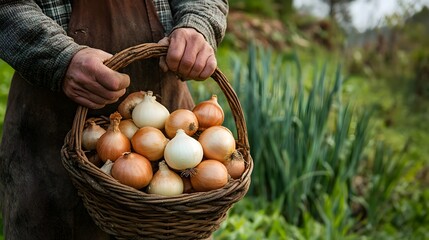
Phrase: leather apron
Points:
(39, 200)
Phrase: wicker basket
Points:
(127, 213)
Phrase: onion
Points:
(127, 106)
(187, 186)
(218, 143)
(165, 182)
(209, 113)
(107, 167)
(235, 167)
(209, 175)
(91, 134)
(149, 112)
(183, 152)
(149, 142)
(128, 128)
(113, 143)
(132, 169)
(181, 119)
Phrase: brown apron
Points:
(39, 201)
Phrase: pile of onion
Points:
(166, 153)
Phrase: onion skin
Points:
(218, 143)
(112, 144)
(183, 152)
(132, 169)
(149, 142)
(127, 106)
(128, 128)
(209, 175)
(165, 182)
(187, 185)
(91, 134)
(235, 167)
(181, 119)
(150, 113)
(209, 113)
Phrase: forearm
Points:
(206, 16)
(33, 44)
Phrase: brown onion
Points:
(181, 119)
(165, 182)
(127, 106)
(90, 135)
(187, 185)
(149, 142)
(113, 143)
(209, 175)
(128, 128)
(218, 143)
(132, 169)
(209, 113)
(235, 167)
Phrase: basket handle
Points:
(151, 50)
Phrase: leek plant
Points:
(309, 143)
(303, 139)
(310, 147)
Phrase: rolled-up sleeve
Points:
(34, 45)
(206, 16)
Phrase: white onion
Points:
(150, 113)
(91, 134)
(183, 152)
(165, 182)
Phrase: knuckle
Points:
(186, 63)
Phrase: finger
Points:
(102, 100)
(200, 65)
(163, 64)
(188, 61)
(164, 41)
(209, 68)
(72, 91)
(174, 55)
(92, 91)
(87, 103)
(111, 80)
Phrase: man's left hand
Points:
(189, 54)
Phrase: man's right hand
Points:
(90, 83)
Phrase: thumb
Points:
(162, 62)
(164, 41)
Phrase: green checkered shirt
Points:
(34, 42)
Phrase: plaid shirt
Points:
(40, 50)
(60, 11)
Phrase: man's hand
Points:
(90, 83)
(189, 54)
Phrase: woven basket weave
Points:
(127, 213)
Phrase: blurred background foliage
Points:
(336, 119)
